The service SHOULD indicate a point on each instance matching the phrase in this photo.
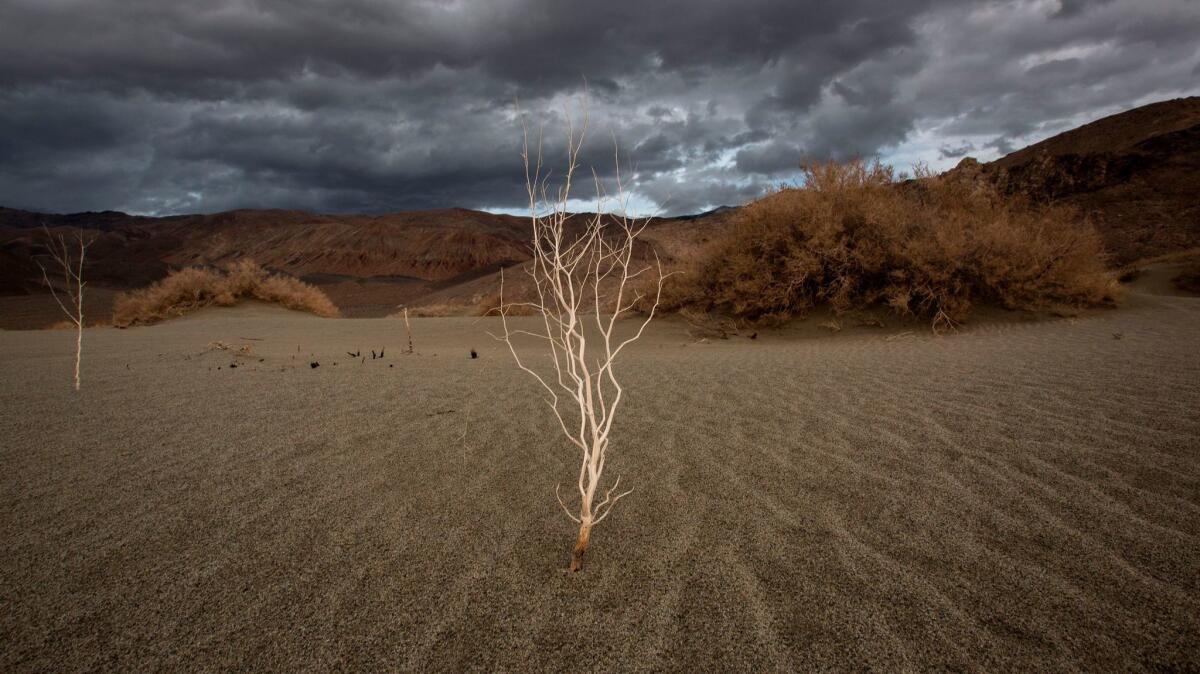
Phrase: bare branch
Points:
(564, 505)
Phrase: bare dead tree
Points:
(579, 319)
(72, 275)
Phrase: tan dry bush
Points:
(853, 237)
(193, 288)
(297, 295)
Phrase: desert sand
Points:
(1020, 496)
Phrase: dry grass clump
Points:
(193, 288)
(853, 237)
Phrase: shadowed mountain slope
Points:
(1136, 174)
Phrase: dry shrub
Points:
(193, 288)
(853, 238)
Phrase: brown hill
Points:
(429, 245)
(1136, 174)
(368, 264)
(426, 244)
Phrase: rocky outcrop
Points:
(1136, 175)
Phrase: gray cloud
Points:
(946, 151)
(165, 106)
(1069, 8)
(1001, 145)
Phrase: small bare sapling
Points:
(69, 256)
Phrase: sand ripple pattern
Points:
(1018, 497)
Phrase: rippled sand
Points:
(1020, 496)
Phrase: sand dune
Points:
(1020, 496)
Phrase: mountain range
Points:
(1135, 174)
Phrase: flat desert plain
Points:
(1020, 496)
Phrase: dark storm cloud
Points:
(167, 106)
(1069, 8)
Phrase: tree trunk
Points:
(78, 350)
(581, 545)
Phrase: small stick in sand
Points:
(408, 329)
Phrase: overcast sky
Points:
(174, 106)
